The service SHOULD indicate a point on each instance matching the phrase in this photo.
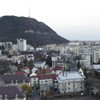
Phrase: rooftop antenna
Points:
(29, 12)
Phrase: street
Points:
(78, 98)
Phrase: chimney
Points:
(16, 96)
(16, 82)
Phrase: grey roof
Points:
(61, 61)
(2, 82)
(38, 62)
(69, 76)
(11, 92)
(9, 78)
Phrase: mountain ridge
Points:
(36, 33)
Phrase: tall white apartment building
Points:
(22, 45)
(95, 56)
(86, 60)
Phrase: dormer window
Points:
(23, 81)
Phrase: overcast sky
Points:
(72, 19)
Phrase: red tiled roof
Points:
(40, 71)
(50, 76)
(48, 70)
(43, 71)
(58, 68)
(20, 72)
(43, 77)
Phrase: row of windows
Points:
(70, 84)
(36, 81)
(41, 81)
(70, 88)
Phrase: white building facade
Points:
(69, 82)
(22, 45)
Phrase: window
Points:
(69, 88)
(56, 85)
(81, 87)
(68, 83)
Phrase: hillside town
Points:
(49, 71)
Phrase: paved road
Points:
(84, 98)
(79, 98)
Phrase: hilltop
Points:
(37, 33)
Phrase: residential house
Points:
(46, 82)
(70, 82)
(40, 64)
(34, 81)
(35, 76)
(53, 54)
(11, 93)
(44, 71)
(58, 69)
(63, 64)
(29, 57)
(15, 80)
